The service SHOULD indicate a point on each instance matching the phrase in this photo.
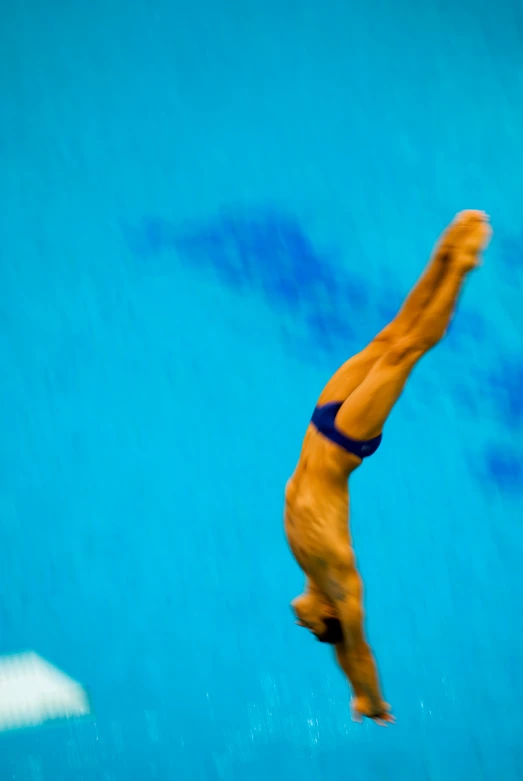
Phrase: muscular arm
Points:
(360, 669)
(354, 655)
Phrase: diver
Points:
(346, 427)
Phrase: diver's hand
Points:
(361, 707)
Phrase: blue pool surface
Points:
(206, 207)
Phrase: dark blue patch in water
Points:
(331, 329)
(504, 469)
(150, 238)
(505, 385)
(466, 327)
(467, 398)
(268, 252)
(353, 292)
(511, 252)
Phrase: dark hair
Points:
(333, 633)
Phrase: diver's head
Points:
(332, 633)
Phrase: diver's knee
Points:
(406, 350)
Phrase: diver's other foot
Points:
(448, 239)
(472, 239)
(464, 239)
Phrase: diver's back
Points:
(317, 498)
(322, 468)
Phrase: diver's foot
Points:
(449, 238)
(471, 240)
(463, 240)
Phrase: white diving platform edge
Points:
(34, 692)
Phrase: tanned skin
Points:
(317, 494)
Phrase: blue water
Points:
(206, 207)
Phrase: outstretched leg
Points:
(353, 372)
(364, 413)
